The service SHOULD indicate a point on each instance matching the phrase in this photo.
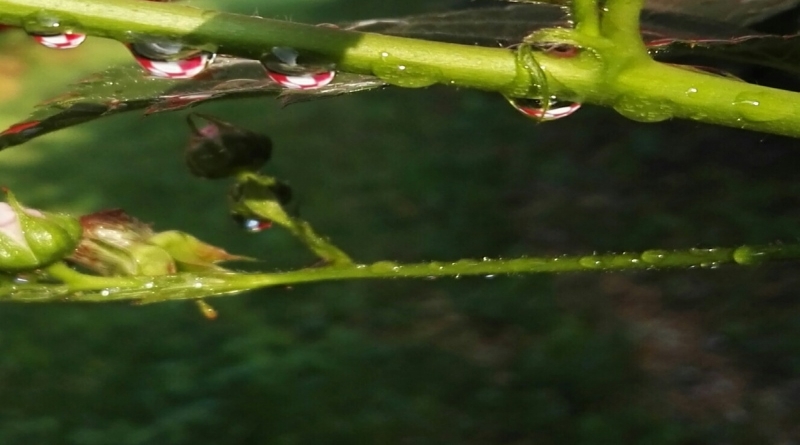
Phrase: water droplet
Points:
(286, 67)
(654, 256)
(169, 59)
(405, 74)
(306, 82)
(591, 262)
(489, 277)
(435, 265)
(67, 40)
(384, 267)
(750, 106)
(540, 111)
(748, 256)
(42, 23)
(641, 110)
(105, 292)
(252, 225)
(691, 92)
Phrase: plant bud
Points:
(114, 243)
(220, 149)
(258, 201)
(191, 254)
(30, 239)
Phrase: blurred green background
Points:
(677, 357)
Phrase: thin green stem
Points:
(255, 195)
(320, 245)
(197, 286)
(79, 281)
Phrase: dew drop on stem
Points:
(654, 257)
(169, 59)
(52, 31)
(250, 224)
(753, 107)
(67, 40)
(286, 67)
(543, 111)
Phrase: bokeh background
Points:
(706, 356)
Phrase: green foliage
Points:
(432, 174)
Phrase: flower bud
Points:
(30, 239)
(220, 149)
(114, 243)
(191, 254)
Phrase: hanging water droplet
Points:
(252, 225)
(285, 67)
(52, 31)
(67, 40)
(170, 60)
(544, 110)
(305, 82)
(43, 23)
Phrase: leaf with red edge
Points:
(126, 88)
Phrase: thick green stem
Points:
(77, 288)
(643, 91)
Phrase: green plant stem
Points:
(620, 23)
(79, 281)
(81, 288)
(586, 15)
(254, 197)
(645, 91)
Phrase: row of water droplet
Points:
(174, 60)
(170, 59)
